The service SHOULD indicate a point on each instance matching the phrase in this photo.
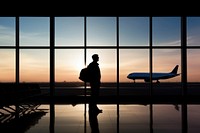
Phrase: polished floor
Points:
(115, 118)
(133, 111)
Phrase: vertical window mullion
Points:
(17, 50)
(52, 72)
(150, 54)
(184, 55)
(85, 61)
(85, 49)
(52, 56)
(117, 35)
(184, 72)
(85, 39)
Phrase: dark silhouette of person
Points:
(95, 81)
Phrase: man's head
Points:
(95, 57)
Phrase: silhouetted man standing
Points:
(95, 81)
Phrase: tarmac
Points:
(132, 93)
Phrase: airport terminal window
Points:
(7, 31)
(107, 63)
(101, 31)
(34, 65)
(193, 28)
(99, 34)
(7, 65)
(7, 51)
(133, 60)
(68, 63)
(122, 49)
(166, 31)
(193, 65)
(34, 31)
(164, 60)
(193, 50)
(133, 31)
(69, 31)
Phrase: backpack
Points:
(84, 75)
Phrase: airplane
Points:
(155, 76)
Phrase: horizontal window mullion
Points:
(99, 47)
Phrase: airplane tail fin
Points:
(175, 70)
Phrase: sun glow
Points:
(79, 65)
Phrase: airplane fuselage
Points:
(155, 76)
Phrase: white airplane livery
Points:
(155, 76)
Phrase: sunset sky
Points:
(100, 31)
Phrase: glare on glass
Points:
(68, 63)
(107, 63)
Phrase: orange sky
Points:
(34, 64)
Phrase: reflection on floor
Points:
(11, 122)
(115, 118)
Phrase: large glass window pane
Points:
(34, 65)
(69, 31)
(133, 61)
(34, 31)
(193, 72)
(164, 60)
(166, 31)
(134, 31)
(7, 65)
(107, 63)
(7, 31)
(193, 31)
(101, 31)
(68, 63)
